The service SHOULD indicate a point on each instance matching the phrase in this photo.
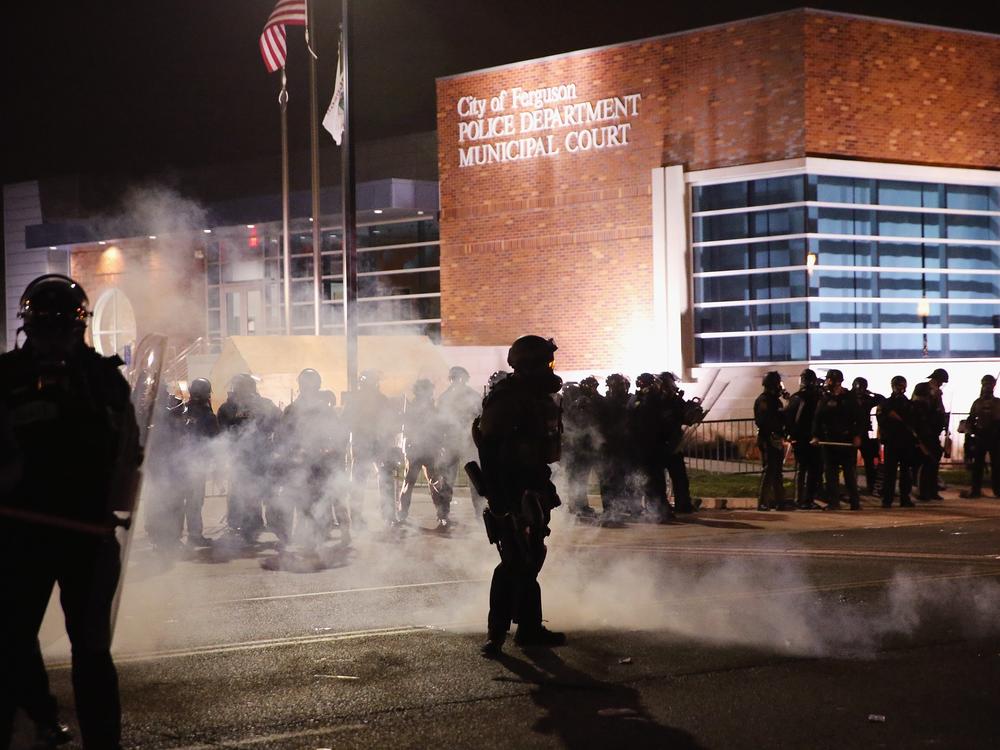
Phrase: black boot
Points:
(52, 735)
(493, 646)
(539, 635)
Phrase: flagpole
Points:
(350, 249)
(314, 159)
(286, 266)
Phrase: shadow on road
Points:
(583, 711)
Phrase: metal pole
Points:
(286, 265)
(350, 249)
(314, 154)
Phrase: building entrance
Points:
(243, 309)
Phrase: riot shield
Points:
(144, 377)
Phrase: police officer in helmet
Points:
(518, 436)
(71, 463)
(983, 425)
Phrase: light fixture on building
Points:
(102, 242)
(310, 219)
(250, 226)
(420, 213)
(207, 231)
(53, 247)
(377, 211)
(811, 259)
(152, 236)
(924, 309)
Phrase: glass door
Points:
(243, 309)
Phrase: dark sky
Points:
(126, 87)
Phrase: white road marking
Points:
(308, 594)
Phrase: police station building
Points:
(800, 189)
(805, 188)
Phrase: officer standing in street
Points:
(71, 460)
(250, 420)
(675, 415)
(616, 466)
(518, 436)
(899, 438)
(312, 443)
(930, 420)
(581, 442)
(799, 415)
(769, 417)
(867, 401)
(423, 451)
(837, 430)
(984, 426)
(647, 428)
(458, 407)
(373, 422)
(199, 425)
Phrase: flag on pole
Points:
(333, 120)
(272, 40)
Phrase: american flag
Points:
(272, 40)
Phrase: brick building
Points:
(800, 187)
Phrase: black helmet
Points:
(940, 375)
(859, 381)
(243, 385)
(309, 380)
(530, 354)
(458, 373)
(807, 377)
(54, 302)
(835, 375)
(645, 380)
(496, 377)
(771, 380)
(200, 388)
(617, 379)
(988, 380)
(589, 384)
(423, 385)
(898, 380)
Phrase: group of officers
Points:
(303, 470)
(827, 426)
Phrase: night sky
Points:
(136, 88)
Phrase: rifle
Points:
(501, 526)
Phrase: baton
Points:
(68, 524)
(835, 444)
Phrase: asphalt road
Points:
(727, 630)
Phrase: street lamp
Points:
(924, 311)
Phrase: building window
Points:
(831, 267)
(113, 328)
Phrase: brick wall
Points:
(561, 245)
(161, 278)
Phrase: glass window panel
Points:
(841, 284)
(899, 224)
(841, 189)
(333, 290)
(717, 197)
(214, 322)
(408, 257)
(397, 234)
(909, 285)
(302, 291)
(213, 297)
(970, 197)
(906, 316)
(985, 257)
(333, 264)
(777, 190)
(302, 267)
(897, 193)
(972, 316)
(971, 286)
(212, 252)
(908, 345)
(972, 227)
(973, 345)
(212, 274)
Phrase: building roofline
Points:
(805, 11)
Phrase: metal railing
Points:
(729, 446)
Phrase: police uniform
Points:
(518, 436)
(984, 422)
(896, 429)
(617, 464)
(458, 407)
(867, 401)
(929, 420)
(373, 422)
(423, 450)
(769, 418)
(837, 421)
(582, 409)
(73, 460)
(799, 415)
(199, 425)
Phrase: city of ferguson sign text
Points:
(514, 124)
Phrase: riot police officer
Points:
(899, 438)
(250, 420)
(422, 454)
(582, 408)
(930, 420)
(984, 427)
(837, 430)
(677, 414)
(518, 436)
(458, 406)
(869, 445)
(373, 422)
(312, 442)
(616, 466)
(199, 425)
(648, 428)
(71, 461)
(769, 418)
(799, 415)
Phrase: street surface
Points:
(728, 629)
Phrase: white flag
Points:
(333, 120)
